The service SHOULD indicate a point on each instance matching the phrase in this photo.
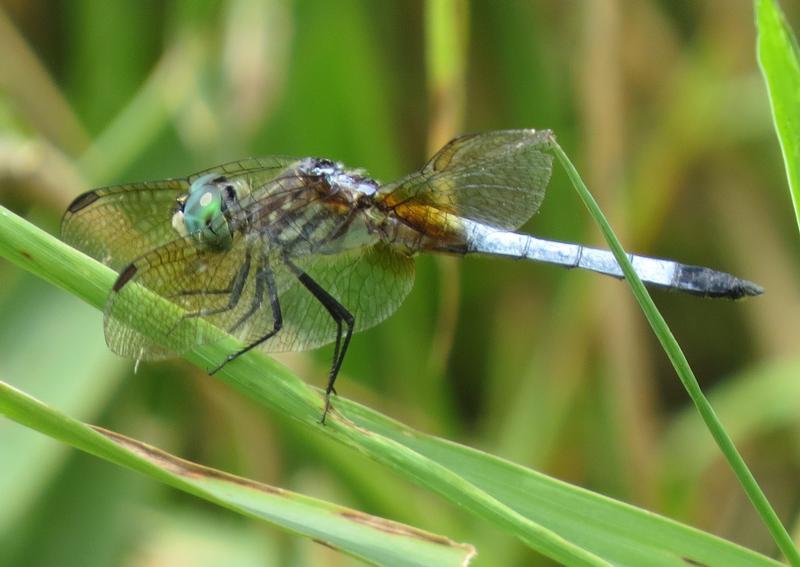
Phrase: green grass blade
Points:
(620, 533)
(272, 385)
(565, 523)
(684, 371)
(779, 59)
(446, 47)
(370, 538)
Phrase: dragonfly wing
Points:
(227, 288)
(370, 283)
(257, 170)
(497, 178)
(118, 223)
(230, 290)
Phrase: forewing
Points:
(262, 169)
(119, 223)
(498, 178)
(371, 283)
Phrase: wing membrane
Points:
(129, 227)
(225, 288)
(268, 166)
(498, 178)
(371, 283)
(118, 223)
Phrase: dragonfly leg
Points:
(223, 291)
(236, 289)
(345, 324)
(265, 278)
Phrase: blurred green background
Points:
(659, 103)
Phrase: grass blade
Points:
(684, 371)
(779, 59)
(370, 538)
(617, 532)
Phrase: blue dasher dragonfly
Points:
(291, 254)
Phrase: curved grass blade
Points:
(779, 59)
(617, 532)
(373, 539)
(757, 402)
(683, 370)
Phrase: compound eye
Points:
(203, 205)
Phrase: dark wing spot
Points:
(125, 276)
(695, 562)
(83, 201)
(220, 179)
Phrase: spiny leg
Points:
(255, 304)
(340, 316)
(265, 280)
(236, 288)
(224, 291)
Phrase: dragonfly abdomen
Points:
(668, 274)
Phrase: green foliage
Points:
(370, 538)
(779, 58)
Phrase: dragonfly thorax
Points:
(201, 211)
(351, 184)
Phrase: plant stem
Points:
(684, 371)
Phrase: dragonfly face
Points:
(202, 211)
(291, 254)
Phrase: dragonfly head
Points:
(201, 212)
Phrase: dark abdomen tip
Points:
(711, 283)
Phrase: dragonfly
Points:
(289, 254)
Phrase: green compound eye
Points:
(203, 217)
